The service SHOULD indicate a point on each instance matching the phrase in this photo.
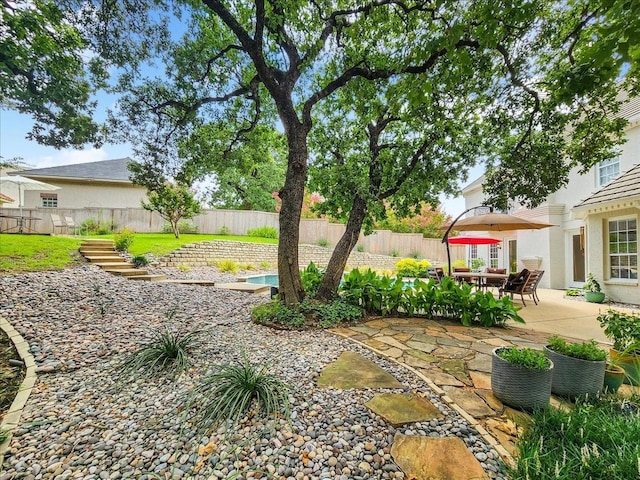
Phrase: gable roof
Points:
(623, 187)
(108, 170)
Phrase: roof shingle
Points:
(113, 170)
(623, 187)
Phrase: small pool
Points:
(270, 279)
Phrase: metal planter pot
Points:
(574, 377)
(520, 387)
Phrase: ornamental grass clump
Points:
(597, 439)
(230, 392)
(166, 353)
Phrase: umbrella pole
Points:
(445, 238)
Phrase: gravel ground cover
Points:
(80, 422)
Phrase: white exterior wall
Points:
(554, 245)
(90, 195)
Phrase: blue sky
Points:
(13, 143)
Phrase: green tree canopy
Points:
(44, 73)
(517, 82)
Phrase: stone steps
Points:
(102, 253)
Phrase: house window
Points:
(473, 252)
(49, 200)
(608, 170)
(493, 256)
(623, 248)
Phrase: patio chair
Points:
(523, 283)
(494, 282)
(57, 223)
(435, 274)
(72, 226)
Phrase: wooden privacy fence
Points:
(239, 222)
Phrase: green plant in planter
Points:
(623, 329)
(579, 368)
(593, 291)
(584, 351)
(525, 357)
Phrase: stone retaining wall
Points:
(200, 254)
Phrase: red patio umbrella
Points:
(473, 240)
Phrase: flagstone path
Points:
(457, 360)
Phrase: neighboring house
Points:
(103, 184)
(597, 225)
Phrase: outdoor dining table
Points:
(479, 277)
(22, 223)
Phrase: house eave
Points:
(583, 211)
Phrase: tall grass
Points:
(598, 439)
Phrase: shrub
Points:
(184, 226)
(477, 263)
(140, 261)
(394, 253)
(584, 351)
(263, 232)
(264, 264)
(415, 255)
(184, 268)
(323, 242)
(229, 392)
(123, 240)
(224, 230)
(409, 267)
(166, 352)
(95, 227)
(458, 263)
(360, 248)
(572, 292)
(622, 328)
(247, 266)
(276, 313)
(525, 357)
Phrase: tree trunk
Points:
(174, 227)
(331, 280)
(290, 283)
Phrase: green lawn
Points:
(30, 253)
(162, 243)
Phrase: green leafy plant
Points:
(360, 248)
(573, 292)
(140, 261)
(323, 242)
(4, 434)
(96, 227)
(184, 267)
(264, 264)
(311, 277)
(394, 253)
(229, 392)
(622, 328)
(277, 314)
(224, 230)
(123, 240)
(330, 314)
(591, 285)
(415, 255)
(586, 350)
(597, 439)
(166, 352)
(477, 263)
(103, 301)
(524, 357)
(264, 232)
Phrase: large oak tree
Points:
(527, 70)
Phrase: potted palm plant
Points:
(592, 291)
(578, 367)
(623, 329)
(521, 377)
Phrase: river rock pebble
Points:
(82, 421)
